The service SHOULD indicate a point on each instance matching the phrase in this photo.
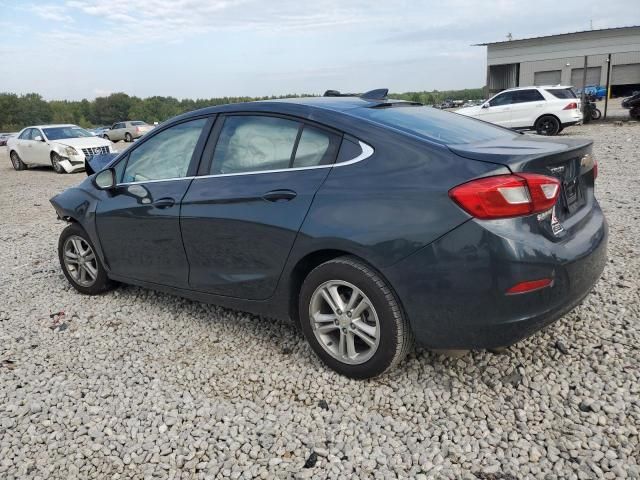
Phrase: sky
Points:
(73, 49)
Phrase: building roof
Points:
(556, 35)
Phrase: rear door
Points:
(40, 148)
(240, 218)
(527, 106)
(22, 145)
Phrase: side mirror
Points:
(106, 179)
(38, 138)
(485, 105)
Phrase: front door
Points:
(241, 218)
(139, 224)
(499, 110)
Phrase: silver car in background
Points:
(127, 131)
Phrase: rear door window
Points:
(250, 143)
(26, 135)
(524, 96)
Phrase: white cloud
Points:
(56, 13)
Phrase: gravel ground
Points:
(138, 384)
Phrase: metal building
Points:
(611, 53)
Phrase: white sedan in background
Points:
(64, 147)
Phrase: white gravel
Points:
(137, 384)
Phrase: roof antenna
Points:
(509, 36)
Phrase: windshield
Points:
(443, 127)
(57, 133)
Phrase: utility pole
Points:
(583, 97)
(606, 97)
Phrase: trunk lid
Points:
(567, 159)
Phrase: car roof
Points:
(535, 86)
(54, 125)
(295, 105)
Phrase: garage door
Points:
(593, 76)
(625, 74)
(550, 77)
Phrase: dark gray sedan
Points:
(371, 222)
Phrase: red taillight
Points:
(137, 129)
(595, 169)
(571, 106)
(505, 196)
(530, 286)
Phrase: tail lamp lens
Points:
(571, 106)
(505, 196)
(530, 286)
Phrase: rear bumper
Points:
(568, 124)
(453, 290)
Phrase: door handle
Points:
(164, 202)
(279, 195)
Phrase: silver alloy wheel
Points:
(344, 322)
(15, 161)
(80, 261)
(55, 162)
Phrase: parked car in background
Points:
(368, 220)
(65, 147)
(99, 131)
(633, 104)
(4, 137)
(547, 110)
(127, 131)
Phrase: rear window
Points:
(442, 127)
(138, 122)
(562, 92)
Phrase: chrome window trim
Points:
(367, 151)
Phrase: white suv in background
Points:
(547, 110)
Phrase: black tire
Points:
(547, 125)
(128, 138)
(595, 114)
(17, 162)
(635, 113)
(101, 283)
(394, 331)
(55, 163)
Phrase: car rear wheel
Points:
(352, 319)
(55, 162)
(547, 125)
(80, 262)
(128, 138)
(17, 163)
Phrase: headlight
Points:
(70, 151)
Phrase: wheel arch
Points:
(311, 260)
(548, 115)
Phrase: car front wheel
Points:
(352, 319)
(55, 163)
(80, 262)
